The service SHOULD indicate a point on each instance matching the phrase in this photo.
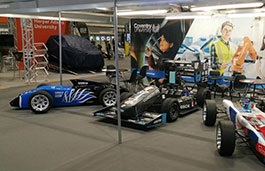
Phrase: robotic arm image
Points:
(238, 59)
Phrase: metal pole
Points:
(27, 45)
(60, 48)
(117, 70)
(37, 3)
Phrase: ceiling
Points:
(40, 6)
(89, 12)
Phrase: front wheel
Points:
(171, 108)
(209, 113)
(225, 138)
(108, 97)
(40, 102)
(202, 95)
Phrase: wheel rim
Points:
(109, 98)
(204, 112)
(40, 102)
(173, 111)
(218, 138)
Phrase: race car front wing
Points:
(146, 119)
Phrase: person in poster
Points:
(141, 32)
(169, 39)
(223, 49)
(146, 38)
(260, 62)
(168, 45)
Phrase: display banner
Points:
(3, 20)
(231, 45)
(42, 30)
(141, 31)
(244, 43)
(153, 40)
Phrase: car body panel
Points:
(134, 109)
(249, 122)
(62, 95)
(82, 92)
(144, 107)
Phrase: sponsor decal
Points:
(261, 149)
(82, 83)
(58, 94)
(185, 106)
(146, 28)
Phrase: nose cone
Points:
(14, 102)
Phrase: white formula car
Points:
(244, 120)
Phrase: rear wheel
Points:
(171, 108)
(108, 97)
(209, 113)
(225, 138)
(40, 102)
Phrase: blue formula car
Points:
(45, 96)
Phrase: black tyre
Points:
(225, 138)
(209, 112)
(40, 102)
(170, 106)
(108, 97)
(202, 94)
(125, 95)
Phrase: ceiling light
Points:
(246, 15)
(103, 9)
(188, 16)
(28, 16)
(146, 12)
(228, 6)
(47, 17)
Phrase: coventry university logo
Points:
(146, 28)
